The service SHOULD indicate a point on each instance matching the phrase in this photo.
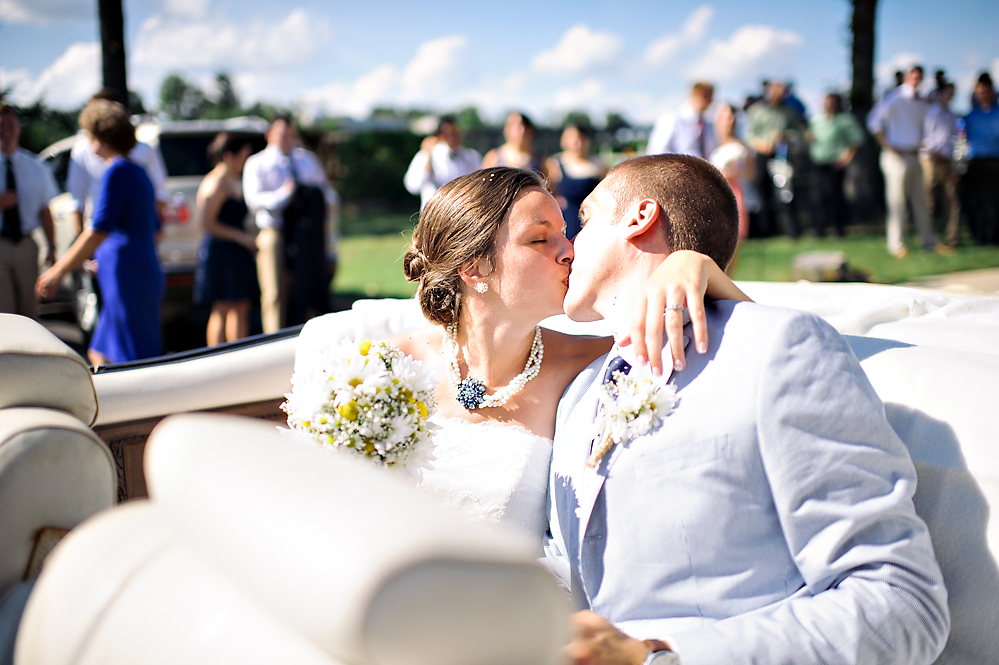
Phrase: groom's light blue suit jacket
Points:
(769, 519)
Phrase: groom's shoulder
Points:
(765, 325)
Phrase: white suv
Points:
(184, 148)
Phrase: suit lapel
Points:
(592, 479)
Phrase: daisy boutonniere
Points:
(630, 406)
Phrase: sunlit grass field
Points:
(372, 250)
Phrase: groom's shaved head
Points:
(697, 202)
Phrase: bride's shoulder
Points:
(420, 343)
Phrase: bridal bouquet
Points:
(366, 397)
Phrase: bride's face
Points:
(531, 271)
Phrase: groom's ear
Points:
(642, 218)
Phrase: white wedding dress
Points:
(491, 471)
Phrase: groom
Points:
(769, 519)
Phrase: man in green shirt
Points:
(833, 139)
(775, 130)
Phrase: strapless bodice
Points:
(491, 471)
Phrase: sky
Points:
(637, 57)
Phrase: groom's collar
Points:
(628, 354)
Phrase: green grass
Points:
(771, 259)
(373, 246)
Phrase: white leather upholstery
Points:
(125, 589)
(240, 376)
(352, 561)
(54, 472)
(37, 369)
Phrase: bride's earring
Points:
(481, 287)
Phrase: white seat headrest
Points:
(54, 472)
(351, 555)
(39, 370)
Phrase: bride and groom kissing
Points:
(767, 518)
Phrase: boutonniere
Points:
(630, 406)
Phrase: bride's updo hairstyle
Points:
(458, 225)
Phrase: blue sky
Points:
(635, 57)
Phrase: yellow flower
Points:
(365, 347)
(423, 409)
(348, 411)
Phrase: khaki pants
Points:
(940, 173)
(904, 184)
(272, 278)
(18, 274)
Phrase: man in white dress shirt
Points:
(937, 157)
(83, 177)
(270, 178)
(441, 159)
(26, 187)
(768, 518)
(687, 131)
(897, 123)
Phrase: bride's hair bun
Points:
(414, 264)
(457, 226)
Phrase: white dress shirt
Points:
(83, 179)
(35, 186)
(939, 132)
(445, 165)
(679, 133)
(899, 116)
(265, 175)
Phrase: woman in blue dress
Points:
(122, 240)
(227, 271)
(574, 173)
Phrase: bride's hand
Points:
(682, 279)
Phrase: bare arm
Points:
(81, 250)
(211, 196)
(45, 216)
(683, 278)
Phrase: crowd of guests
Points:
(269, 222)
(781, 162)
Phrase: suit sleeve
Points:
(842, 484)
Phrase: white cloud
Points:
(751, 51)
(194, 9)
(168, 43)
(66, 83)
(434, 69)
(691, 33)
(46, 11)
(581, 96)
(579, 50)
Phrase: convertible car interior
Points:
(231, 543)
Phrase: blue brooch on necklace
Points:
(471, 393)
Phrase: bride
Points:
(491, 261)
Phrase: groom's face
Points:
(598, 259)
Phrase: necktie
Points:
(701, 147)
(11, 229)
(618, 364)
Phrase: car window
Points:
(187, 154)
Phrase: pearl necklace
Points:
(471, 392)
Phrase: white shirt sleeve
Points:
(256, 197)
(661, 134)
(417, 176)
(78, 178)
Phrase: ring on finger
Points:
(675, 307)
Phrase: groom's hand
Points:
(596, 642)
